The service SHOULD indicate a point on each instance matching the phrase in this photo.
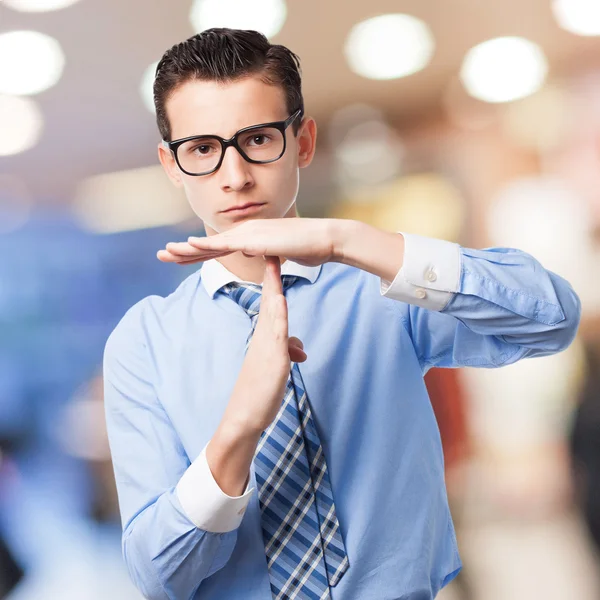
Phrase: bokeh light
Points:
(129, 200)
(504, 69)
(21, 124)
(540, 121)
(266, 16)
(581, 17)
(370, 153)
(30, 62)
(423, 203)
(389, 46)
(547, 218)
(39, 5)
(147, 85)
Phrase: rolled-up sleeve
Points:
(205, 503)
(466, 307)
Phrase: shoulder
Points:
(144, 319)
(346, 284)
(333, 273)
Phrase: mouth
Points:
(244, 208)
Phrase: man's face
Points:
(211, 108)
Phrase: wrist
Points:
(342, 232)
(370, 249)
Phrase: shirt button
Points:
(421, 293)
(431, 276)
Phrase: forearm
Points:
(229, 455)
(368, 248)
(505, 304)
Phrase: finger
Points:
(248, 247)
(273, 321)
(213, 242)
(296, 354)
(294, 341)
(187, 260)
(183, 263)
(272, 284)
(185, 249)
(166, 256)
(273, 306)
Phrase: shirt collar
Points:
(214, 275)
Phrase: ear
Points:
(307, 142)
(167, 160)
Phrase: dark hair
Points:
(225, 55)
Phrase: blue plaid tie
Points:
(303, 543)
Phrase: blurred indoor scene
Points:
(472, 121)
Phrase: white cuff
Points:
(430, 273)
(205, 504)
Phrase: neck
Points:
(248, 268)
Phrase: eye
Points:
(259, 139)
(203, 149)
(200, 148)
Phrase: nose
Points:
(235, 171)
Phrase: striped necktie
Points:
(303, 543)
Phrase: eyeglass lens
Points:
(202, 155)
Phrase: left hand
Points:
(309, 242)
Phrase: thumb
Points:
(296, 350)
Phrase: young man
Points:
(240, 474)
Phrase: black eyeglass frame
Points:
(233, 141)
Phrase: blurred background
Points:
(476, 122)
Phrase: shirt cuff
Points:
(205, 504)
(430, 273)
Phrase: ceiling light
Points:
(147, 87)
(38, 5)
(266, 16)
(389, 46)
(504, 69)
(30, 62)
(581, 17)
(20, 123)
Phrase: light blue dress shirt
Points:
(171, 365)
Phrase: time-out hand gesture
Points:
(260, 387)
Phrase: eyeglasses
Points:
(259, 144)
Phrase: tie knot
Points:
(248, 295)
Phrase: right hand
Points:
(260, 387)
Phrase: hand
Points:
(308, 242)
(260, 386)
